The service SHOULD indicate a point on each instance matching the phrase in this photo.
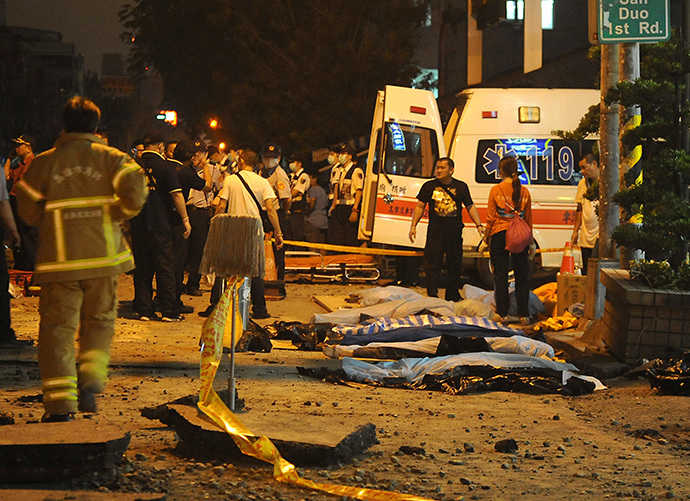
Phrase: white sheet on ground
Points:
(396, 302)
(393, 309)
(413, 370)
(377, 295)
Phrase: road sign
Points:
(626, 21)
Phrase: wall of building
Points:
(39, 73)
(502, 43)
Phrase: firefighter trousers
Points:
(89, 306)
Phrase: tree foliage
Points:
(303, 73)
(662, 198)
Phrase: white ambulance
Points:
(485, 125)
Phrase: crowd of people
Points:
(148, 213)
(187, 184)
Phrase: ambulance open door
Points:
(406, 140)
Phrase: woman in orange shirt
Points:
(505, 199)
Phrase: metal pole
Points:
(630, 165)
(609, 153)
(231, 381)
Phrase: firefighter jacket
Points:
(77, 193)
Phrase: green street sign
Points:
(627, 21)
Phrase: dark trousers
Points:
(24, 256)
(500, 260)
(314, 234)
(297, 227)
(180, 251)
(256, 289)
(200, 219)
(343, 232)
(279, 254)
(6, 331)
(154, 253)
(407, 270)
(588, 252)
(438, 243)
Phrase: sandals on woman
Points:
(524, 321)
(510, 319)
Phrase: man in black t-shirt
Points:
(445, 197)
(153, 241)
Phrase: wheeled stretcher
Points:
(335, 268)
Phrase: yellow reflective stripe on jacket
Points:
(125, 169)
(33, 193)
(75, 203)
(60, 251)
(84, 264)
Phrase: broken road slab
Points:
(47, 452)
(311, 440)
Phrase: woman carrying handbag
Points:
(509, 236)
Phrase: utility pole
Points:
(609, 155)
(631, 117)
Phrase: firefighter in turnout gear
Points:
(78, 193)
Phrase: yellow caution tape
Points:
(390, 252)
(215, 326)
(354, 250)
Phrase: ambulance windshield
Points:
(409, 150)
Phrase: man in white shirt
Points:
(236, 199)
(586, 229)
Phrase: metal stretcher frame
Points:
(334, 268)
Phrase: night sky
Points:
(92, 25)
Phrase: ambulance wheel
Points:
(485, 272)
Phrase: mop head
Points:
(234, 247)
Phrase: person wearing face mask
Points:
(347, 201)
(299, 184)
(333, 179)
(334, 165)
(280, 182)
(153, 240)
(226, 167)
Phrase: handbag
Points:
(519, 234)
(265, 221)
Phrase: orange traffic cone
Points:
(568, 263)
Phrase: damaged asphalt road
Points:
(626, 441)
